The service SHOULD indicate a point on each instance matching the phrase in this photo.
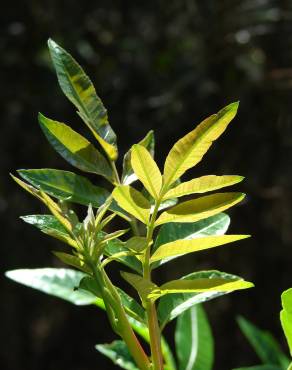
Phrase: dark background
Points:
(163, 65)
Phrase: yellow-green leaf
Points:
(136, 244)
(189, 150)
(132, 201)
(146, 169)
(181, 247)
(74, 148)
(202, 185)
(198, 209)
(74, 261)
(78, 88)
(143, 286)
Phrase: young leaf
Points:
(136, 244)
(264, 344)
(132, 201)
(202, 185)
(172, 305)
(143, 286)
(194, 340)
(66, 185)
(128, 175)
(189, 150)
(146, 170)
(118, 352)
(58, 282)
(78, 88)
(74, 261)
(286, 316)
(182, 247)
(74, 148)
(198, 209)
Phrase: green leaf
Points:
(74, 261)
(49, 225)
(136, 244)
(74, 148)
(182, 247)
(118, 352)
(143, 286)
(200, 208)
(264, 344)
(194, 340)
(65, 185)
(146, 170)
(286, 316)
(58, 282)
(202, 185)
(132, 201)
(172, 305)
(189, 150)
(260, 367)
(78, 88)
(132, 307)
(128, 174)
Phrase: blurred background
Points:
(162, 65)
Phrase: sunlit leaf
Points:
(146, 170)
(118, 352)
(74, 148)
(66, 185)
(78, 88)
(143, 286)
(194, 340)
(286, 316)
(132, 201)
(202, 185)
(189, 150)
(128, 174)
(59, 282)
(71, 260)
(264, 344)
(181, 247)
(200, 208)
(172, 305)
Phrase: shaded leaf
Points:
(143, 286)
(74, 261)
(189, 150)
(78, 88)
(260, 367)
(74, 148)
(132, 201)
(118, 352)
(172, 305)
(128, 174)
(286, 316)
(194, 340)
(198, 209)
(146, 170)
(66, 185)
(202, 185)
(136, 244)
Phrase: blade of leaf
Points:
(189, 150)
(132, 201)
(74, 148)
(172, 305)
(286, 316)
(118, 352)
(202, 185)
(146, 170)
(143, 286)
(71, 260)
(264, 344)
(260, 367)
(78, 88)
(200, 208)
(66, 185)
(128, 175)
(194, 340)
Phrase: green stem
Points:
(153, 326)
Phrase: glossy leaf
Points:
(202, 185)
(128, 174)
(58, 282)
(118, 352)
(74, 148)
(49, 225)
(143, 286)
(172, 305)
(189, 150)
(78, 88)
(182, 247)
(132, 201)
(66, 185)
(264, 344)
(146, 170)
(200, 208)
(286, 316)
(194, 340)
